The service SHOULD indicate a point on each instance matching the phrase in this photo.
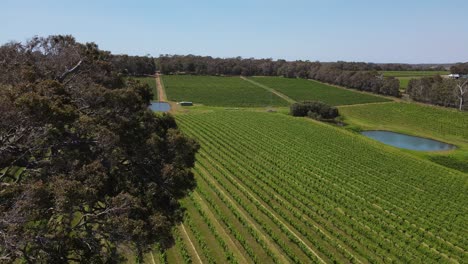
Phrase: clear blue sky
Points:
(327, 30)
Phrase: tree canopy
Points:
(85, 167)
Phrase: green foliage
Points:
(151, 82)
(347, 198)
(308, 90)
(85, 166)
(314, 110)
(218, 91)
(413, 73)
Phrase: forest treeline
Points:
(134, 65)
(446, 92)
(439, 91)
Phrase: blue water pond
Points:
(160, 107)
(407, 142)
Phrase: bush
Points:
(313, 109)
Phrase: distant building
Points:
(454, 76)
(186, 103)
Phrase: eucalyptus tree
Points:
(85, 167)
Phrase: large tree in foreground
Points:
(84, 166)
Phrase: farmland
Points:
(301, 90)
(405, 76)
(430, 121)
(438, 123)
(273, 188)
(218, 91)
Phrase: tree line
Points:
(134, 65)
(85, 167)
(333, 73)
(439, 91)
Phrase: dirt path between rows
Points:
(247, 192)
(271, 245)
(232, 245)
(187, 237)
(161, 92)
(285, 97)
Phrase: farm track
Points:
(309, 90)
(273, 198)
(237, 253)
(285, 97)
(187, 239)
(161, 91)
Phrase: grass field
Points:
(404, 81)
(435, 122)
(413, 73)
(443, 124)
(301, 90)
(218, 91)
(277, 189)
(152, 84)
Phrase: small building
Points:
(186, 103)
(454, 76)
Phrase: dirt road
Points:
(161, 92)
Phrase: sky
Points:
(403, 31)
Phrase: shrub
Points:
(314, 109)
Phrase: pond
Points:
(407, 142)
(160, 106)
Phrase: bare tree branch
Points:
(70, 71)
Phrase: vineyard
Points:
(276, 189)
(435, 122)
(302, 90)
(218, 91)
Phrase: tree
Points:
(459, 68)
(461, 92)
(315, 109)
(85, 167)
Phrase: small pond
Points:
(407, 142)
(160, 106)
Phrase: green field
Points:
(302, 90)
(273, 188)
(413, 73)
(430, 121)
(152, 84)
(404, 81)
(438, 123)
(218, 91)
